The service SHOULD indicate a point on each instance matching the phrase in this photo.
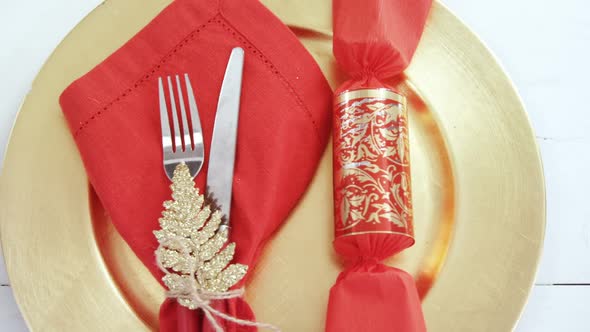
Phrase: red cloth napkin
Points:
(284, 125)
(374, 40)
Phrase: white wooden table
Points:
(543, 45)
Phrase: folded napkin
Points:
(113, 115)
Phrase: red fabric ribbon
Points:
(373, 41)
(284, 125)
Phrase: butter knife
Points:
(223, 144)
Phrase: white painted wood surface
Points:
(543, 45)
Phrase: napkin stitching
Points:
(269, 64)
(145, 76)
(189, 38)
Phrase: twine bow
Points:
(202, 299)
(195, 253)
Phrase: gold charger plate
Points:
(478, 194)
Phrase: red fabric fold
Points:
(377, 36)
(363, 288)
(177, 318)
(284, 125)
(373, 41)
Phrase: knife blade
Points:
(223, 143)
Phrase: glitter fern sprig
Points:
(193, 251)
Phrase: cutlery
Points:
(186, 146)
(177, 147)
(223, 144)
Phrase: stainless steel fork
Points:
(180, 144)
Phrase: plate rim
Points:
(19, 115)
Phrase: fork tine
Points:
(164, 124)
(197, 132)
(185, 128)
(177, 133)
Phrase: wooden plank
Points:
(567, 237)
(557, 308)
(3, 274)
(10, 317)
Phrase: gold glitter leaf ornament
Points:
(193, 253)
